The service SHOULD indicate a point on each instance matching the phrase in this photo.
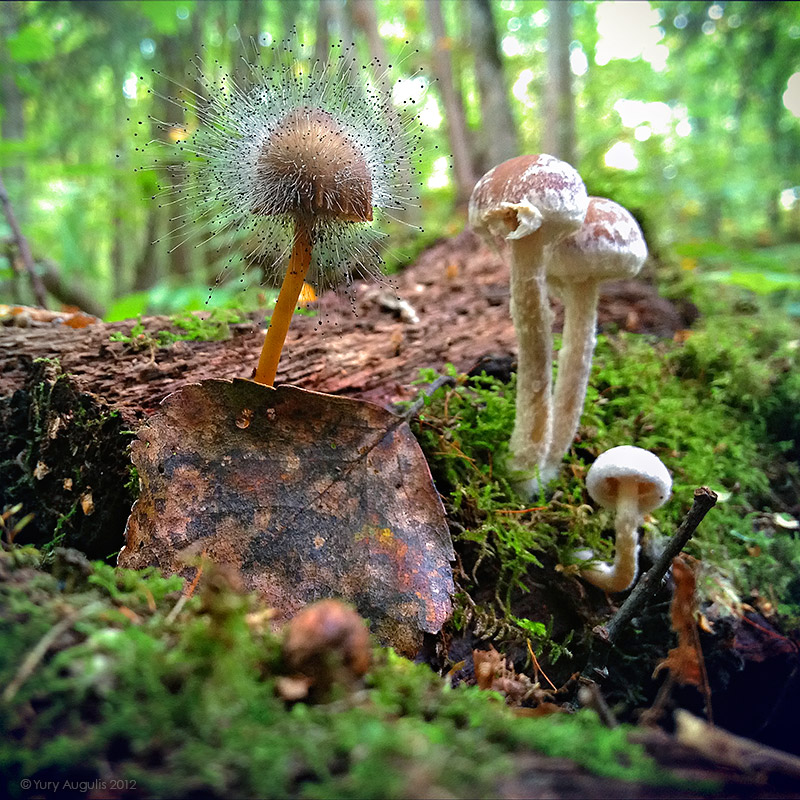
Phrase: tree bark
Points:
(453, 107)
(365, 17)
(458, 290)
(559, 129)
(69, 398)
(500, 139)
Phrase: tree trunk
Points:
(146, 269)
(179, 233)
(322, 45)
(289, 17)
(343, 30)
(120, 231)
(453, 107)
(500, 140)
(365, 18)
(12, 120)
(249, 23)
(559, 128)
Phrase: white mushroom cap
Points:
(628, 463)
(608, 246)
(526, 193)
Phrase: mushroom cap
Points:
(608, 246)
(310, 165)
(628, 463)
(526, 193)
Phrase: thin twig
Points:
(39, 291)
(704, 501)
(590, 696)
(419, 403)
(537, 667)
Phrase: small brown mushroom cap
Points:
(629, 463)
(309, 165)
(526, 193)
(608, 246)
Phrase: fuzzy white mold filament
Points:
(294, 138)
(299, 156)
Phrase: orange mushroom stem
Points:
(299, 263)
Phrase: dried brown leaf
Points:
(684, 662)
(307, 495)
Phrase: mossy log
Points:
(70, 398)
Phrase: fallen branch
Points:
(722, 747)
(70, 294)
(419, 403)
(39, 291)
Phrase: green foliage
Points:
(193, 328)
(128, 307)
(187, 704)
(775, 569)
(766, 271)
(31, 43)
(716, 409)
(168, 298)
(163, 14)
(81, 113)
(749, 361)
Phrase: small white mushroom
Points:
(608, 246)
(632, 481)
(530, 202)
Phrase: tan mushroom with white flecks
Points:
(608, 246)
(530, 202)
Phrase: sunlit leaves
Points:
(165, 15)
(31, 43)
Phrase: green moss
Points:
(191, 328)
(710, 408)
(61, 448)
(187, 704)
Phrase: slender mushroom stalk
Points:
(632, 481)
(299, 263)
(530, 311)
(530, 202)
(317, 171)
(608, 246)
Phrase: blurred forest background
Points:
(688, 113)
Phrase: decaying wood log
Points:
(457, 289)
(65, 423)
